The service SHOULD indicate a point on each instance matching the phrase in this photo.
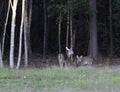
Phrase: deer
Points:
(84, 61)
(69, 52)
(61, 58)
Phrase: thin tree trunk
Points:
(71, 29)
(1, 60)
(29, 26)
(74, 38)
(25, 47)
(110, 28)
(5, 27)
(93, 30)
(25, 35)
(45, 30)
(68, 23)
(59, 34)
(14, 8)
(21, 32)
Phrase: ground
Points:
(82, 79)
(47, 76)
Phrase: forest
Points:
(34, 31)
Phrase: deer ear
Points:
(77, 57)
(81, 56)
(67, 48)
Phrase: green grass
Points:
(34, 80)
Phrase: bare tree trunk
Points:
(45, 30)
(59, 34)
(29, 26)
(110, 28)
(68, 23)
(5, 27)
(71, 29)
(1, 60)
(14, 8)
(21, 32)
(25, 47)
(74, 38)
(25, 34)
(61, 60)
(93, 30)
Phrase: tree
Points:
(59, 33)
(29, 28)
(71, 29)
(1, 60)
(93, 48)
(58, 10)
(45, 30)
(14, 8)
(110, 28)
(21, 32)
(26, 25)
(5, 27)
(68, 22)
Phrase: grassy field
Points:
(84, 79)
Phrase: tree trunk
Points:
(25, 34)
(1, 60)
(74, 38)
(21, 32)
(45, 30)
(71, 29)
(5, 27)
(29, 26)
(110, 28)
(14, 8)
(68, 23)
(59, 34)
(93, 30)
(25, 47)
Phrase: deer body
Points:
(84, 61)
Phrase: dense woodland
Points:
(44, 28)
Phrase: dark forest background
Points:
(80, 18)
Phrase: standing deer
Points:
(85, 61)
(69, 52)
(61, 59)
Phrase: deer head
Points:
(79, 59)
(69, 52)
